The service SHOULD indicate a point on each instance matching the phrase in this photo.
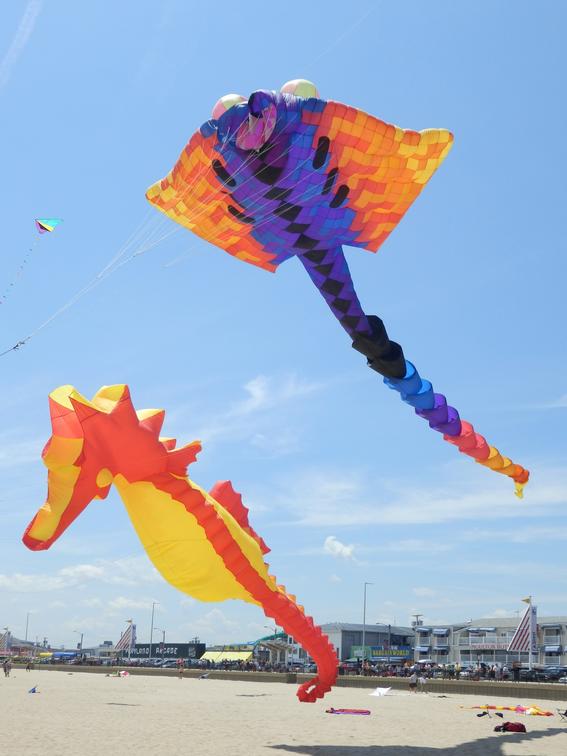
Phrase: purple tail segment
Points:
(328, 269)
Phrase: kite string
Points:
(145, 243)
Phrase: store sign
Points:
(167, 650)
(395, 652)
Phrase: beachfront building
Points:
(276, 649)
(487, 640)
(388, 644)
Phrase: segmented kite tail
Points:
(273, 598)
(286, 612)
(387, 358)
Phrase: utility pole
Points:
(27, 623)
(364, 627)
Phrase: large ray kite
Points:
(202, 543)
(280, 175)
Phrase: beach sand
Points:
(91, 714)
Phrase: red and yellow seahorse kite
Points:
(202, 543)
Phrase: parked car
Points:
(553, 672)
(563, 679)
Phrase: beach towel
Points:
(347, 711)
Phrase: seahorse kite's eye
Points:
(202, 543)
(288, 174)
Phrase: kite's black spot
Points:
(350, 321)
(332, 287)
(331, 176)
(341, 305)
(321, 152)
(223, 174)
(324, 270)
(277, 193)
(268, 174)
(297, 228)
(340, 196)
(287, 211)
(240, 215)
(317, 255)
(305, 242)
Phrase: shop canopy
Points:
(552, 649)
(226, 656)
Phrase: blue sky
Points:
(344, 483)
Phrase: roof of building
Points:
(499, 622)
(329, 627)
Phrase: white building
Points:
(487, 640)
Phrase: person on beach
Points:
(180, 668)
(422, 681)
(7, 666)
(413, 682)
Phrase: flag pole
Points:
(530, 657)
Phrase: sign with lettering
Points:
(167, 651)
(395, 652)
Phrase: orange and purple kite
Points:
(280, 175)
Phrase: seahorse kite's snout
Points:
(202, 543)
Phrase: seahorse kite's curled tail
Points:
(202, 543)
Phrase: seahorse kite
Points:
(201, 543)
(280, 175)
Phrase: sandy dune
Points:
(90, 714)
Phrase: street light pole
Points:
(364, 627)
(27, 624)
(152, 628)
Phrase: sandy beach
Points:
(91, 714)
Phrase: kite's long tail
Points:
(386, 357)
(328, 269)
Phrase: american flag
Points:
(128, 638)
(5, 642)
(526, 632)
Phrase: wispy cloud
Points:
(260, 417)
(351, 498)
(15, 452)
(19, 41)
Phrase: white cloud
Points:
(337, 549)
(335, 578)
(92, 603)
(503, 613)
(211, 623)
(122, 602)
(129, 571)
(19, 41)
(424, 592)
